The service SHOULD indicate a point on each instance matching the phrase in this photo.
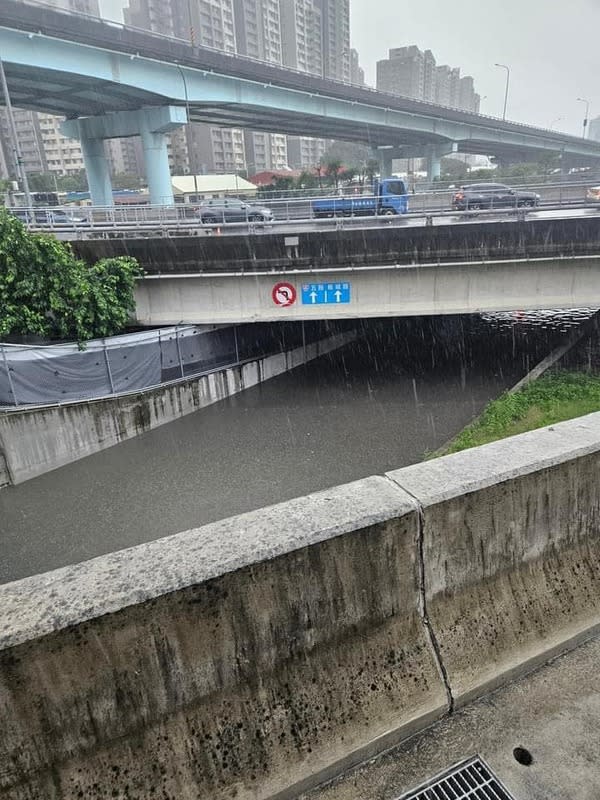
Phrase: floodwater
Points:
(405, 387)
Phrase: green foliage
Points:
(307, 180)
(45, 290)
(347, 153)
(333, 167)
(454, 169)
(550, 399)
(123, 180)
(50, 182)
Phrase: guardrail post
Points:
(108, 369)
(179, 350)
(11, 385)
(237, 349)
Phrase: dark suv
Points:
(492, 195)
(231, 209)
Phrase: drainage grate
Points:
(469, 780)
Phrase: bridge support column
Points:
(158, 174)
(433, 159)
(97, 171)
(434, 167)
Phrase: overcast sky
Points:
(552, 48)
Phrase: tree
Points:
(307, 180)
(51, 182)
(123, 180)
(45, 290)
(333, 167)
(371, 169)
(454, 169)
(347, 153)
(41, 182)
(348, 173)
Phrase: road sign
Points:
(284, 294)
(315, 294)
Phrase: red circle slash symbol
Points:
(284, 294)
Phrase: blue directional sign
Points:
(315, 294)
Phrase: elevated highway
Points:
(111, 81)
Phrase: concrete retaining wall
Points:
(385, 244)
(37, 440)
(256, 656)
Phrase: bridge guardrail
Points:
(431, 208)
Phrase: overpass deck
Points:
(69, 64)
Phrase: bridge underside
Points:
(385, 291)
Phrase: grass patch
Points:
(552, 398)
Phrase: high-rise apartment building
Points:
(258, 35)
(357, 73)
(335, 21)
(411, 72)
(468, 99)
(78, 6)
(302, 37)
(594, 129)
(29, 136)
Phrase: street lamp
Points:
(587, 113)
(503, 66)
(554, 121)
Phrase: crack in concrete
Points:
(429, 630)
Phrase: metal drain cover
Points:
(469, 780)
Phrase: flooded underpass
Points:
(404, 388)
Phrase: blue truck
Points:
(389, 197)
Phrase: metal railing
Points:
(287, 215)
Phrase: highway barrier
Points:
(260, 655)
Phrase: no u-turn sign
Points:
(284, 294)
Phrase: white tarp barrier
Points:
(64, 372)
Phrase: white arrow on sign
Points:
(313, 297)
(338, 296)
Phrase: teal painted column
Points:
(97, 171)
(156, 159)
(434, 166)
(385, 158)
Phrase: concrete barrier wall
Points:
(37, 440)
(256, 656)
(511, 547)
(384, 244)
(236, 660)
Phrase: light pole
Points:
(503, 66)
(587, 113)
(554, 121)
(13, 135)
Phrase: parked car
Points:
(593, 194)
(492, 195)
(46, 216)
(232, 209)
